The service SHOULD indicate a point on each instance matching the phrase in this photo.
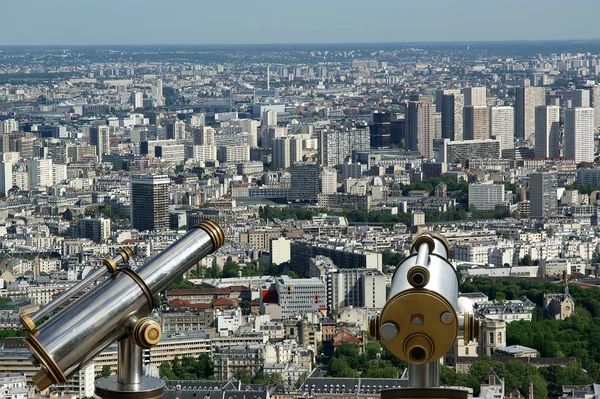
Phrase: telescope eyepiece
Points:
(418, 276)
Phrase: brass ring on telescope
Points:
(126, 253)
(146, 333)
(214, 231)
(28, 324)
(142, 285)
(110, 265)
(443, 240)
(421, 239)
(51, 369)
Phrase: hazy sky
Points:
(293, 21)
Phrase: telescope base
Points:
(110, 388)
(424, 393)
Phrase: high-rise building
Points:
(502, 126)
(96, 230)
(476, 122)
(439, 94)
(418, 127)
(6, 177)
(547, 131)
(580, 99)
(452, 116)
(328, 181)
(595, 103)
(336, 145)
(306, 182)
(579, 134)
(475, 96)
(40, 173)
(100, 137)
(486, 196)
(381, 129)
(542, 198)
(203, 135)
(233, 153)
(150, 202)
(9, 126)
(175, 130)
(137, 99)
(527, 99)
(269, 118)
(286, 151)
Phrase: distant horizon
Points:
(573, 41)
(193, 22)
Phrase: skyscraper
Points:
(418, 127)
(380, 129)
(175, 130)
(100, 137)
(40, 173)
(502, 126)
(452, 116)
(306, 182)
(203, 135)
(595, 103)
(439, 94)
(286, 151)
(542, 197)
(328, 181)
(527, 98)
(6, 177)
(336, 145)
(580, 99)
(476, 96)
(476, 122)
(150, 202)
(547, 131)
(579, 134)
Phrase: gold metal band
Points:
(142, 285)
(110, 265)
(28, 324)
(146, 333)
(50, 368)
(214, 231)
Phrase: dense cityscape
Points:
(321, 163)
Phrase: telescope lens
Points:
(417, 354)
(418, 279)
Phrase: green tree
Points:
(105, 372)
(243, 375)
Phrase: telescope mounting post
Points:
(424, 375)
(129, 383)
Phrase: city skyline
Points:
(265, 23)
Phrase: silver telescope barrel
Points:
(110, 266)
(115, 309)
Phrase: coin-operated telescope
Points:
(421, 321)
(117, 309)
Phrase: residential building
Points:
(306, 182)
(476, 122)
(419, 134)
(547, 131)
(486, 196)
(527, 99)
(502, 126)
(579, 134)
(452, 105)
(543, 201)
(150, 202)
